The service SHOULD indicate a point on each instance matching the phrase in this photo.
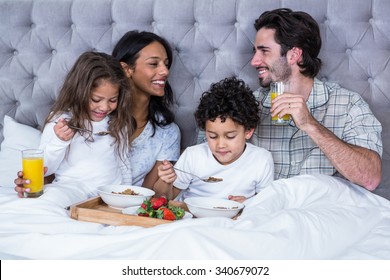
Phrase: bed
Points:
(305, 217)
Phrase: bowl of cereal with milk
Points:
(202, 207)
(122, 196)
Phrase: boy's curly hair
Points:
(229, 98)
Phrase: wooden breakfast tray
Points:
(95, 210)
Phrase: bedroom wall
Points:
(211, 39)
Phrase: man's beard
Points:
(279, 71)
(265, 82)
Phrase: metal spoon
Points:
(100, 133)
(207, 180)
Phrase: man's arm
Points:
(359, 165)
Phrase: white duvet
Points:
(306, 217)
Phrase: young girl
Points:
(228, 113)
(146, 59)
(94, 99)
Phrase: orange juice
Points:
(33, 170)
(276, 119)
(278, 88)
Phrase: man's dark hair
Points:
(295, 29)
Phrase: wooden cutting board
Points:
(96, 211)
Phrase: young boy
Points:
(228, 113)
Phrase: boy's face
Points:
(226, 140)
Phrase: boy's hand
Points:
(237, 198)
(166, 172)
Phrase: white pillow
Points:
(17, 137)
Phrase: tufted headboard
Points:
(211, 39)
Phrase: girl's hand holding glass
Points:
(21, 184)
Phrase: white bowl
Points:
(213, 207)
(116, 200)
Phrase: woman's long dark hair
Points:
(127, 50)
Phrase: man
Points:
(332, 130)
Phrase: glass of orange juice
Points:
(32, 162)
(278, 88)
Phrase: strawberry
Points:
(163, 200)
(142, 212)
(146, 209)
(159, 208)
(158, 202)
(146, 205)
(166, 214)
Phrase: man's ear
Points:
(127, 69)
(294, 55)
(249, 133)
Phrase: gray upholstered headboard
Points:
(211, 39)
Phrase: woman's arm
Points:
(152, 177)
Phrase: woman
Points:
(146, 59)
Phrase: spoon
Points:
(100, 133)
(207, 180)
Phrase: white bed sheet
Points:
(305, 217)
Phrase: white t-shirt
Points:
(91, 163)
(246, 176)
(146, 149)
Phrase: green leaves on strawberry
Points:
(146, 205)
(159, 208)
(178, 211)
(146, 209)
(142, 212)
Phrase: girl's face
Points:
(103, 100)
(151, 71)
(226, 140)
